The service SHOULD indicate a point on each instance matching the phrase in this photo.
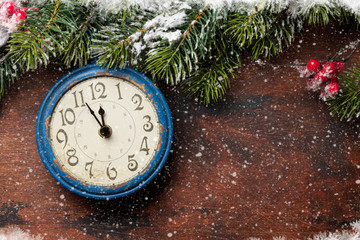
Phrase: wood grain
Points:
(267, 161)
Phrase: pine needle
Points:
(347, 104)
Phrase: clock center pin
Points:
(105, 131)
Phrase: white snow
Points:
(16, 234)
(294, 6)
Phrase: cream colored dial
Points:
(104, 131)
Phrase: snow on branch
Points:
(294, 6)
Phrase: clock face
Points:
(104, 131)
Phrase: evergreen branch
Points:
(173, 63)
(112, 45)
(282, 30)
(76, 47)
(347, 104)
(112, 50)
(3, 58)
(207, 46)
(262, 33)
(32, 45)
(318, 15)
(245, 28)
(33, 52)
(322, 14)
(9, 72)
(209, 84)
(347, 19)
(51, 20)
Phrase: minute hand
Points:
(93, 113)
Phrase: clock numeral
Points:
(111, 172)
(137, 99)
(144, 146)
(133, 164)
(81, 99)
(148, 126)
(72, 160)
(99, 88)
(118, 88)
(58, 135)
(67, 117)
(89, 169)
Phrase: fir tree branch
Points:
(262, 33)
(30, 45)
(3, 58)
(210, 83)
(318, 15)
(9, 72)
(203, 58)
(111, 50)
(246, 28)
(347, 18)
(173, 63)
(347, 104)
(76, 48)
(112, 46)
(51, 20)
(280, 30)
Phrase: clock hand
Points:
(92, 113)
(102, 112)
(105, 130)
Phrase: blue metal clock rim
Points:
(45, 150)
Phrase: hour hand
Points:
(93, 113)
(102, 112)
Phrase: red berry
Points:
(313, 66)
(332, 89)
(339, 66)
(331, 69)
(10, 7)
(19, 15)
(321, 77)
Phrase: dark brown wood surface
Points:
(267, 161)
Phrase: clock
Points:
(104, 133)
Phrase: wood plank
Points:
(266, 161)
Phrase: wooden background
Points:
(267, 161)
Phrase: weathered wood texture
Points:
(266, 161)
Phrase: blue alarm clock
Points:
(104, 133)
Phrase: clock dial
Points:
(104, 131)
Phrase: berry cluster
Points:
(324, 76)
(11, 15)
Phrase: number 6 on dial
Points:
(104, 133)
